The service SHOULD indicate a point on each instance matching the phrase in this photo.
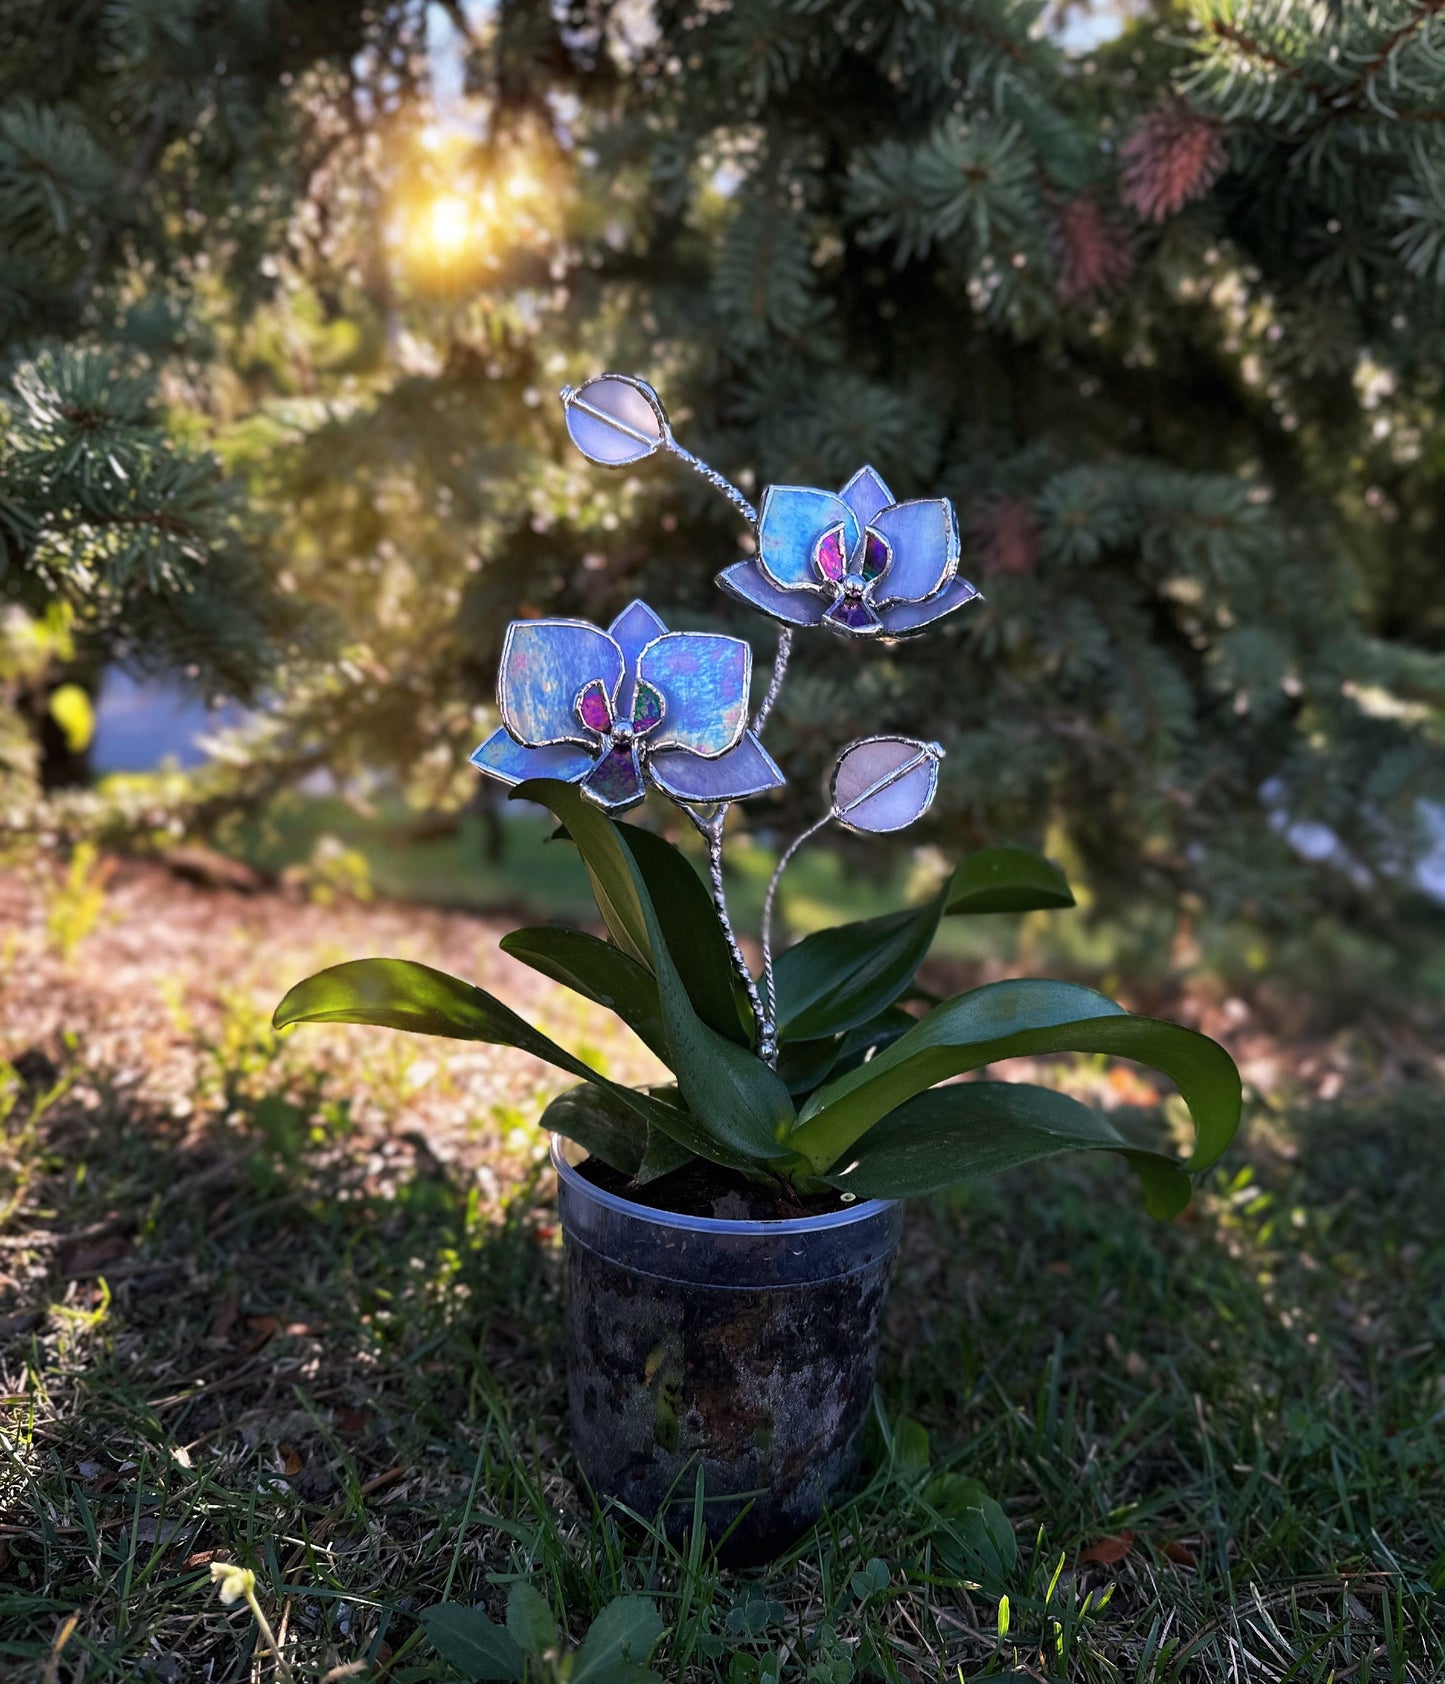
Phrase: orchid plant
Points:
(812, 1074)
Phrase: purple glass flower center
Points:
(851, 585)
(594, 709)
(830, 557)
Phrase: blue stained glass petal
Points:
(852, 616)
(633, 629)
(884, 783)
(908, 617)
(502, 758)
(546, 664)
(924, 539)
(615, 782)
(703, 678)
(745, 581)
(745, 770)
(866, 494)
(790, 522)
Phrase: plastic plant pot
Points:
(748, 1348)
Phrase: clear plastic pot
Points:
(746, 1347)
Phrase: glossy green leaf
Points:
(596, 970)
(684, 908)
(735, 1100)
(1007, 880)
(471, 1642)
(601, 1124)
(662, 1154)
(597, 839)
(606, 1128)
(972, 1129)
(694, 935)
(870, 1038)
(837, 979)
(402, 994)
(803, 1065)
(623, 1635)
(1014, 1019)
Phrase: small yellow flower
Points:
(235, 1581)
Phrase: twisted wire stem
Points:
(769, 989)
(713, 477)
(711, 831)
(775, 684)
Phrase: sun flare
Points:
(448, 224)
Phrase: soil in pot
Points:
(701, 1188)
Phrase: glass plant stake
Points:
(633, 705)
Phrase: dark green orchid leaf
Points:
(803, 1065)
(837, 979)
(597, 839)
(401, 994)
(1007, 880)
(694, 936)
(601, 1125)
(605, 1128)
(663, 1154)
(735, 1100)
(869, 1039)
(967, 1130)
(1014, 1019)
(683, 905)
(597, 971)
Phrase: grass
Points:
(282, 1322)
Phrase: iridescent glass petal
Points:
(745, 582)
(745, 770)
(866, 494)
(507, 760)
(790, 523)
(615, 782)
(924, 539)
(703, 678)
(908, 617)
(546, 665)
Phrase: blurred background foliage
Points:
(288, 288)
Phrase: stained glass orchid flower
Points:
(611, 710)
(854, 561)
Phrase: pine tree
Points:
(1164, 319)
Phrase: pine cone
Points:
(1095, 255)
(1173, 157)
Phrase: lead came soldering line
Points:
(883, 783)
(611, 420)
